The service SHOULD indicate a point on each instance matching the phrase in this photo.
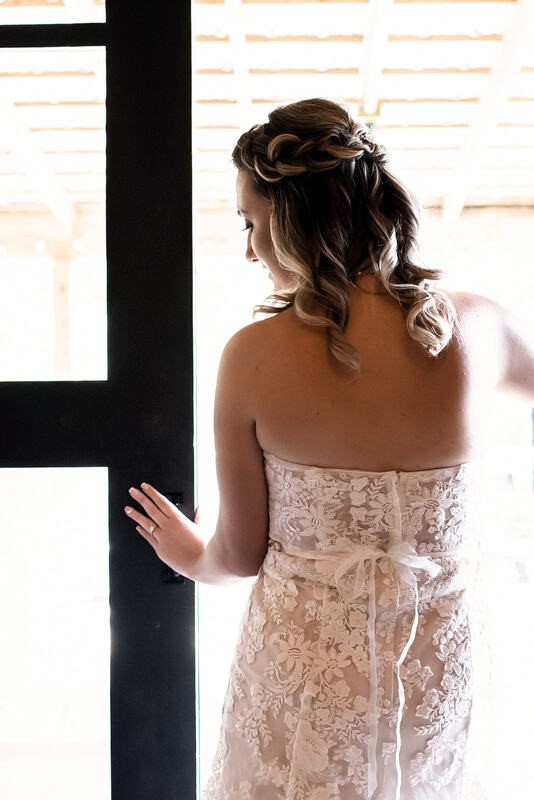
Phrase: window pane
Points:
(52, 214)
(39, 12)
(54, 617)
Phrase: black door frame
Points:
(138, 423)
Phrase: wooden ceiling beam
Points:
(374, 44)
(312, 39)
(304, 71)
(445, 37)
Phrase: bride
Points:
(346, 431)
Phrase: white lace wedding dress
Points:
(352, 677)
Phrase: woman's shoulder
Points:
(487, 327)
(257, 331)
(470, 302)
(249, 346)
(478, 314)
(267, 333)
(271, 350)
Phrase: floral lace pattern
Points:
(352, 676)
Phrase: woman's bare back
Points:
(404, 410)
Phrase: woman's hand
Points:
(175, 539)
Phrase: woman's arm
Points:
(500, 346)
(239, 544)
(242, 528)
(518, 347)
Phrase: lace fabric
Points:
(352, 675)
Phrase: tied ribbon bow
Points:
(407, 561)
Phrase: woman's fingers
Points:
(149, 506)
(160, 501)
(171, 534)
(151, 539)
(163, 525)
(144, 522)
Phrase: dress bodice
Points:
(329, 525)
(332, 510)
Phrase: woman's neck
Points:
(369, 284)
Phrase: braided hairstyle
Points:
(337, 212)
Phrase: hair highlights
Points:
(337, 213)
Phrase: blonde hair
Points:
(337, 212)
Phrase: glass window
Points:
(52, 214)
(48, 12)
(54, 617)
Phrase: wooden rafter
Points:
(374, 44)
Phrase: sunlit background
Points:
(449, 88)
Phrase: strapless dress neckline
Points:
(449, 470)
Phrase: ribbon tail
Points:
(372, 780)
(410, 579)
